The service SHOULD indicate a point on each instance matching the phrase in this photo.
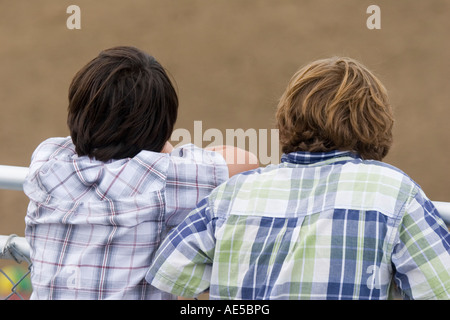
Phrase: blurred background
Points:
(231, 60)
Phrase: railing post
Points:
(15, 248)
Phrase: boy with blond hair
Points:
(331, 221)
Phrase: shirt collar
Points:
(305, 158)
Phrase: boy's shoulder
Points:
(360, 174)
(190, 163)
(356, 166)
(186, 154)
(248, 180)
(48, 147)
(191, 154)
(387, 170)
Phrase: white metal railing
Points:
(12, 177)
(444, 210)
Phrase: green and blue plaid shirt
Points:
(316, 226)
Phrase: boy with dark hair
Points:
(102, 199)
(330, 222)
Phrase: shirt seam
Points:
(395, 229)
(174, 284)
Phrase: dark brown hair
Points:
(335, 104)
(120, 103)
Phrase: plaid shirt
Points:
(93, 227)
(316, 226)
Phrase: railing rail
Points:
(444, 210)
(12, 177)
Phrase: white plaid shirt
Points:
(93, 227)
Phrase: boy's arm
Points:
(237, 159)
(182, 264)
(422, 252)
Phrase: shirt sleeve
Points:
(421, 254)
(193, 173)
(183, 263)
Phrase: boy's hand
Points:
(238, 160)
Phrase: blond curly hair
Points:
(335, 104)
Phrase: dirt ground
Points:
(231, 60)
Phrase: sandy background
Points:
(231, 60)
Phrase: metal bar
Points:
(444, 210)
(15, 248)
(12, 177)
